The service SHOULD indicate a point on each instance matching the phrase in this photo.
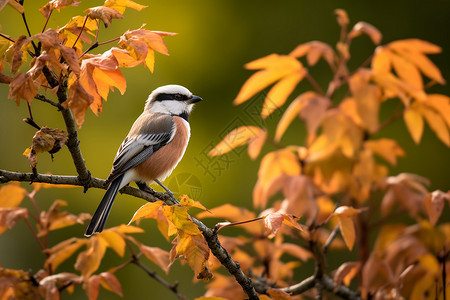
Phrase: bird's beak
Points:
(194, 99)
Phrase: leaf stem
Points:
(46, 21)
(220, 226)
(81, 31)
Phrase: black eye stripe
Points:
(165, 96)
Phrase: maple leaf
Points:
(56, 4)
(23, 86)
(121, 5)
(106, 14)
(69, 33)
(78, 100)
(272, 68)
(141, 44)
(99, 74)
(251, 135)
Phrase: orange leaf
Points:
(157, 255)
(437, 124)
(388, 149)
(441, 104)
(415, 45)
(62, 251)
(23, 87)
(255, 144)
(381, 62)
(121, 5)
(9, 217)
(114, 240)
(346, 272)
(366, 28)
(56, 4)
(106, 14)
(434, 204)
(188, 202)
(414, 122)
(179, 217)
(78, 100)
(279, 93)
(195, 249)
(149, 210)
(111, 283)
(314, 51)
(11, 195)
(237, 137)
(274, 68)
(347, 228)
(89, 260)
(407, 71)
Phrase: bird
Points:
(152, 149)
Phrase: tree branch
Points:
(226, 260)
(154, 275)
(45, 99)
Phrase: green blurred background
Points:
(216, 38)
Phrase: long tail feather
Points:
(98, 221)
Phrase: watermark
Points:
(186, 184)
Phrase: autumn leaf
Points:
(273, 165)
(50, 284)
(434, 204)
(314, 50)
(414, 123)
(121, 5)
(141, 44)
(56, 4)
(345, 216)
(78, 100)
(310, 107)
(251, 135)
(188, 202)
(99, 74)
(23, 86)
(77, 25)
(62, 251)
(89, 260)
(346, 272)
(16, 53)
(156, 255)
(9, 216)
(110, 282)
(388, 149)
(273, 68)
(195, 250)
(115, 241)
(178, 216)
(11, 195)
(45, 140)
(274, 220)
(368, 29)
(106, 14)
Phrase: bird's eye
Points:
(178, 97)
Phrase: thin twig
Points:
(154, 275)
(330, 239)
(7, 38)
(81, 31)
(221, 226)
(314, 84)
(45, 99)
(34, 234)
(36, 49)
(46, 21)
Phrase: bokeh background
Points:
(216, 38)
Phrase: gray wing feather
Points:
(149, 138)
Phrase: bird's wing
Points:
(149, 133)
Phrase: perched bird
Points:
(152, 149)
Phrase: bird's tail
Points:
(101, 214)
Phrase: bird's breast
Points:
(161, 163)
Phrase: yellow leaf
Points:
(441, 104)
(255, 144)
(179, 217)
(279, 93)
(121, 5)
(149, 210)
(436, 124)
(414, 122)
(415, 45)
(407, 71)
(11, 195)
(62, 251)
(381, 62)
(275, 67)
(194, 249)
(89, 260)
(235, 138)
(289, 115)
(347, 230)
(425, 65)
(114, 240)
(388, 149)
(188, 202)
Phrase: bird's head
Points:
(172, 100)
